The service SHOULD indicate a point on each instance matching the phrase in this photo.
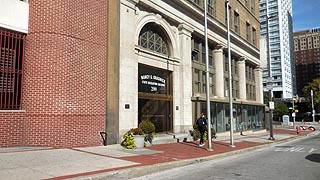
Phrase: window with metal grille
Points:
(153, 39)
(11, 69)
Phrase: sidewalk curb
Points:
(149, 169)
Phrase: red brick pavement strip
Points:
(170, 152)
(185, 150)
(291, 132)
(181, 151)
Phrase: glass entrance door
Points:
(155, 97)
(159, 112)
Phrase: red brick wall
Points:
(11, 128)
(64, 91)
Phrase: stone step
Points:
(171, 138)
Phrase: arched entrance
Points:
(155, 84)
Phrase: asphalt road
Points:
(295, 160)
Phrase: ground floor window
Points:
(246, 117)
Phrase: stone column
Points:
(183, 92)
(128, 73)
(242, 79)
(258, 81)
(113, 69)
(219, 70)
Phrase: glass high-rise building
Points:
(276, 26)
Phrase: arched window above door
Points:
(153, 37)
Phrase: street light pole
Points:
(270, 83)
(207, 76)
(313, 113)
(293, 113)
(230, 77)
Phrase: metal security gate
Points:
(11, 69)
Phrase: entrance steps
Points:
(171, 138)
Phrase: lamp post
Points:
(293, 113)
(270, 83)
(230, 77)
(271, 107)
(294, 99)
(313, 113)
(207, 76)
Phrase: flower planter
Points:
(139, 141)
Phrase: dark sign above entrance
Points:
(153, 80)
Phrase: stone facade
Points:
(181, 21)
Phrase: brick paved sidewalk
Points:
(174, 153)
(104, 162)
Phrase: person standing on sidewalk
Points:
(202, 126)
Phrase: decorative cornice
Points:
(220, 47)
(242, 59)
(130, 3)
(185, 29)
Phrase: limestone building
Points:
(161, 65)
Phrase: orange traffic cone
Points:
(298, 129)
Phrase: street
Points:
(298, 159)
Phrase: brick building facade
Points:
(63, 97)
(307, 56)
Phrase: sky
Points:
(306, 14)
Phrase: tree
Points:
(281, 109)
(315, 86)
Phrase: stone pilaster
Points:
(183, 115)
(219, 69)
(242, 78)
(259, 87)
(128, 73)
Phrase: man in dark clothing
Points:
(202, 126)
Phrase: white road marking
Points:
(312, 149)
(294, 149)
(291, 149)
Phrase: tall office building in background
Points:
(307, 56)
(279, 30)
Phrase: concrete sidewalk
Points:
(115, 162)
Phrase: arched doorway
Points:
(155, 84)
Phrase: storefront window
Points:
(245, 117)
(220, 118)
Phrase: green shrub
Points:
(196, 133)
(128, 141)
(137, 131)
(195, 126)
(147, 127)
